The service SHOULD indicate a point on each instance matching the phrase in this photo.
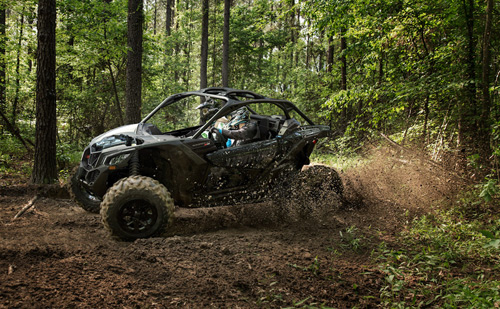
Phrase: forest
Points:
(423, 72)
(399, 78)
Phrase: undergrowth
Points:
(339, 161)
(448, 259)
(16, 162)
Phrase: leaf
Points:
(493, 244)
(488, 234)
(302, 301)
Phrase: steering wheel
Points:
(218, 138)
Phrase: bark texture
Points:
(225, 44)
(204, 45)
(134, 61)
(44, 168)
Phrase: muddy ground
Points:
(280, 253)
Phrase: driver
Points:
(241, 129)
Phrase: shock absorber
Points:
(134, 164)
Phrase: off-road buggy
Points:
(135, 174)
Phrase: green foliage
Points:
(9, 145)
(449, 259)
(313, 268)
(352, 239)
(408, 72)
(489, 190)
(68, 156)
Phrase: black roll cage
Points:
(230, 96)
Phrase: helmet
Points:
(239, 116)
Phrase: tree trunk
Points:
(467, 107)
(204, 45)
(45, 168)
(321, 52)
(115, 90)
(308, 46)
(214, 42)
(154, 17)
(18, 64)
(225, 44)
(343, 75)
(27, 143)
(330, 54)
(134, 61)
(30, 52)
(343, 61)
(381, 68)
(484, 120)
(168, 18)
(3, 42)
(426, 121)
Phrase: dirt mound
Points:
(310, 244)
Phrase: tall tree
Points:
(466, 123)
(225, 44)
(45, 168)
(484, 125)
(330, 54)
(134, 61)
(3, 42)
(168, 18)
(18, 73)
(204, 45)
(343, 61)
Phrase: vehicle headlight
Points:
(118, 159)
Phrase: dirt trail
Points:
(271, 254)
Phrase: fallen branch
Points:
(26, 207)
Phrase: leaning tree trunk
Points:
(44, 168)
(134, 62)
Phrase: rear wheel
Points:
(320, 178)
(82, 196)
(137, 207)
(316, 183)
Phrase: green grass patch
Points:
(338, 161)
(447, 259)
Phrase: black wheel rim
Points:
(137, 216)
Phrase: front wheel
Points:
(137, 207)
